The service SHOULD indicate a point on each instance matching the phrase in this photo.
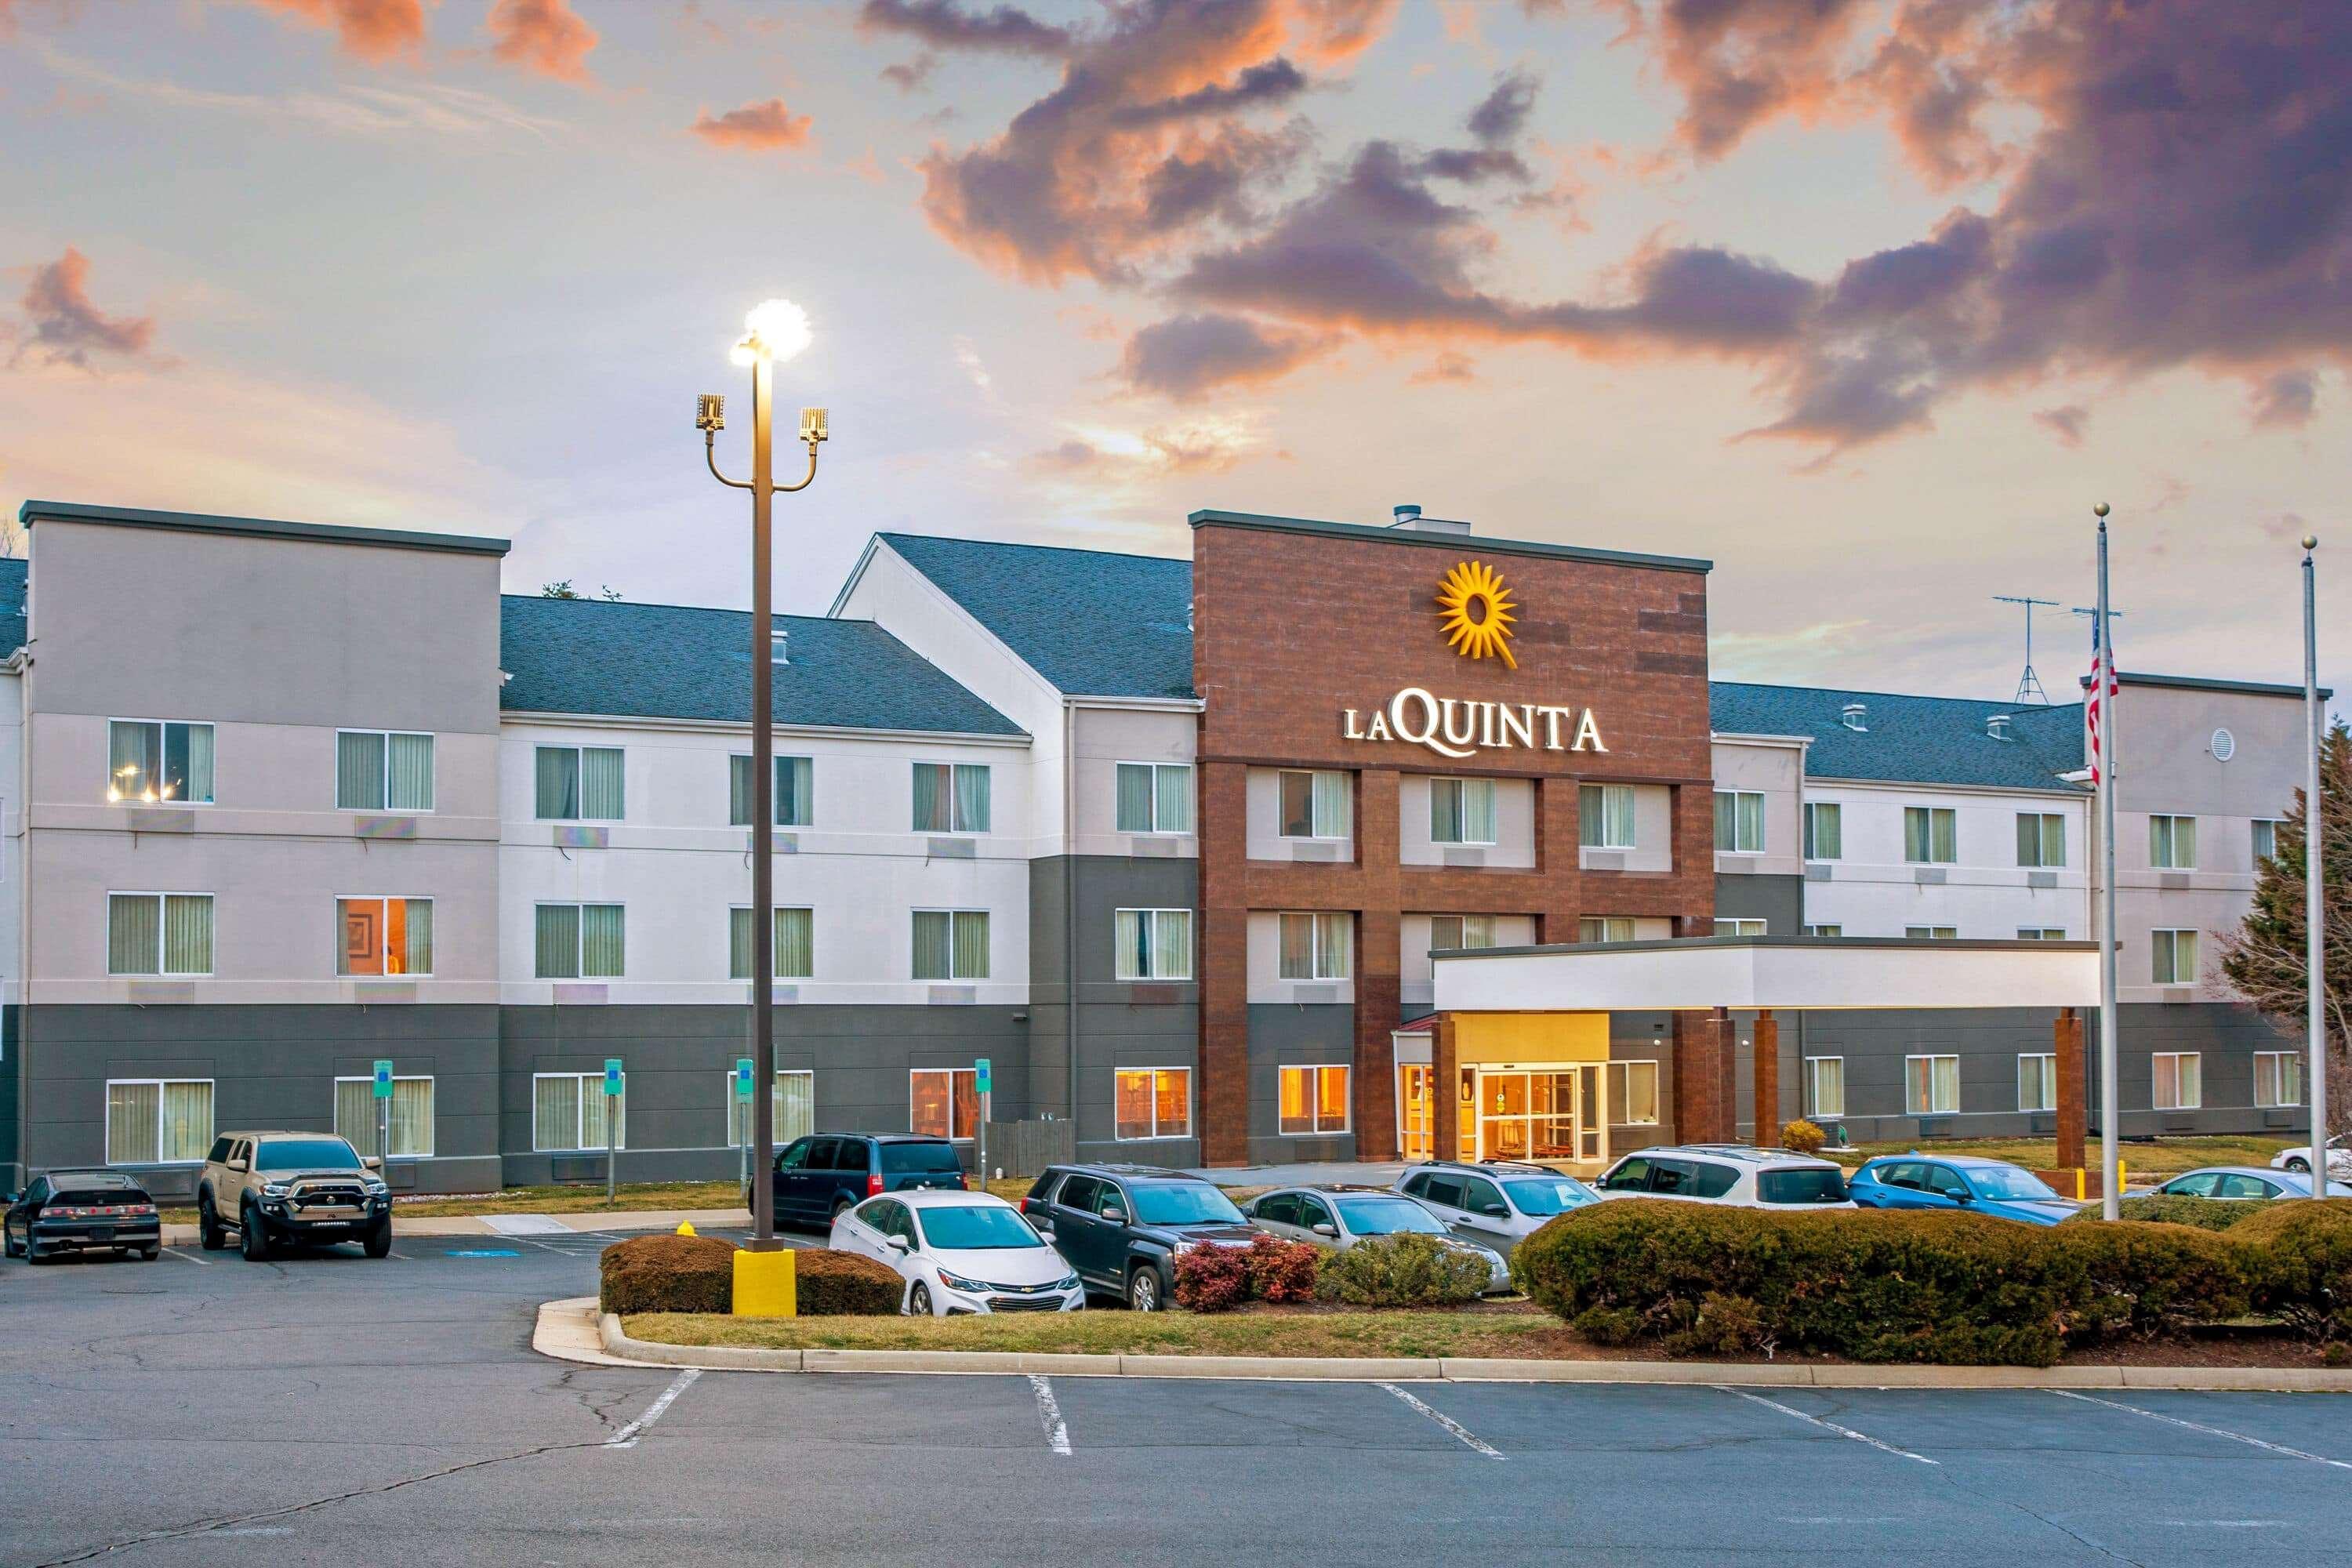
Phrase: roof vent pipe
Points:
(1853, 716)
(1406, 516)
(1996, 726)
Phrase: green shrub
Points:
(1403, 1270)
(829, 1283)
(668, 1274)
(1281, 1270)
(2145, 1280)
(2205, 1213)
(2299, 1263)
(1212, 1278)
(1803, 1136)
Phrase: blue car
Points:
(1916, 1181)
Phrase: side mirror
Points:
(236, 1165)
(1114, 1213)
(1329, 1230)
(1960, 1194)
(1495, 1211)
(371, 1161)
(897, 1243)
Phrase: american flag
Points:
(2095, 704)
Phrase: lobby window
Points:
(1605, 927)
(567, 1111)
(411, 1115)
(1931, 834)
(579, 942)
(158, 1121)
(1153, 1102)
(1312, 804)
(951, 798)
(1314, 1100)
(1460, 933)
(1155, 798)
(950, 945)
(159, 762)
(2265, 840)
(1312, 946)
(1736, 926)
(1931, 1085)
(1825, 930)
(2177, 1078)
(2040, 838)
(2041, 933)
(1152, 944)
(577, 783)
(1462, 811)
(159, 933)
(1825, 1085)
(382, 770)
(795, 935)
(2278, 1077)
(2172, 843)
(1739, 821)
(2172, 957)
(383, 936)
(1604, 816)
(2037, 1082)
(1633, 1094)
(1932, 934)
(943, 1103)
(1824, 830)
(792, 1100)
(795, 803)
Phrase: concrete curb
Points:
(617, 1348)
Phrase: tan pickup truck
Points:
(302, 1189)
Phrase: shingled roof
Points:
(12, 605)
(1909, 739)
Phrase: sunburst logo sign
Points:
(1474, 609)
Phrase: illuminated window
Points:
(1313, 1099)
(943, 1103)
(1153, 1102)
(384, 936)
(152, 761)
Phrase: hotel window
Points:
(794, 804)
(1312, 946)
(1460, 933)
(2040, 838)
(1932, 934)
(792, 1100)
(950, 799)
(1605, 927)
(943, 1103)
(567, 1111)
(1155, 798)
(382, 770)
(580, 941)
(1462, 811)
(2278, 1077)
(158, 1121)
(1824, 830)
(578, 783)
(795, 932)
(159, 933)
(950, 945)
(1932, 1085)
(1931, 834)
(2179, 1080)
(2265, 840)
(2037, 1082)
(2041, 933)
(1825, 930)
(152, 761)
(1153, 1102)
(1739, 821)
(383, 936)
(1633, 1094)
(411, 1115)
(2172, 957)
(1825, 1085)
(1312, 804)
(1314, 1100)
(2172, 843)
(1735, 926)
(1604, 816)
(1153, 945)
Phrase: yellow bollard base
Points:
(767, 1285)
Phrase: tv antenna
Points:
(2029, 685)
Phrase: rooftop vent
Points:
(1406, 516)
(1996, 726)
(1854, 717)
(1409, 518)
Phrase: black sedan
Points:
(81, 1211)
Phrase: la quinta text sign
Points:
(1453, 727)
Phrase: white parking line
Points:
(627, 1438)
(2209, 1431)
(207, 1263)
(1049, 1413)
(1468, 1437)
(1825, 1425)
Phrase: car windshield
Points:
(1546, 1196)
(976, 1228)
(1387, 1216)
(2009, 1186)
(1803, 1186)
(899, 1159)
(1182, 1203)
(305, 1154)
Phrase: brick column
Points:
(1444, 1088)
(1705, 1078)
(1559, 831)
(2067, 1043)
(1224, 964)
(1379, 967)
(1767, 1080)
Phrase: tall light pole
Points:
(2104, 692)
(776, 331)
(2314, 918)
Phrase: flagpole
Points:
(2105, 690)
(2315, 822)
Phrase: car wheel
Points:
(210, 1236)
(149, 1254)
(33, 1253)
(2299, 1166)
(842, 1208)
(918, 1301)
(7, 1243)
(252, 1240)
(378, 1242)
(1143, 1290)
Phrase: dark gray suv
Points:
(1121, 1226)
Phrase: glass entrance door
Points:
(1528, 1114)
(1416, 1116)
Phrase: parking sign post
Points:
(612, 1120)
(743, 1094)
(979, 1141)
(383, 1119)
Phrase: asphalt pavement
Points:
(328, 1409)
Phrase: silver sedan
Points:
(1339, 1217)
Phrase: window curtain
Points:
(1447, 933)
(1131, 935)
(132, 1111)
(1478, 811)
(1294, 1113)
(739, 944)
(1135, 797)
(188, 775)
(412, 773)
(971, 798)
(971, 944)
(355, 1112)
(1172, 1103)
(1935, 1085)
(187, 933)
(1751, 822)
(927, 1107)
(793, 801)
(558, 943)
(1172, 944)
(1331, 806)
(359, 772)
(360, 947)
(1131, 1105)
(1330, 1099)
(555, 1113)
(739, 792)
(795, 1105)
(1478, 930)
(1173, 788)
(932, 812)
(1829, 1086)
(1915, 833)
(795, 944)
(134, 754)
(1445, 803)
(1331, 933)
(1590, 832)
(931, 946)
(593, 1105)
(1727, 825)
(602, 954)
(600, 783)
(559, 784)
(2184, 840)
(1296, 935)
(1617, 814)
(967, 1103)
(187, 1130)
(419, 946)
(1295, 799)
(1827, 826)
(412, 1118)
(133, 933)
(1943, 835)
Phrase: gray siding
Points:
(1284, 1034)
(1778, 901)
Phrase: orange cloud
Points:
(755, 128)
(543, 36)
(63, 325)
(372, 30)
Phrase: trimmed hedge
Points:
(1281, 1270)
(844, 1285)
(1212, 1278)
(668, 1274)
(2301, 1263)
(1403, 1270)
(2205, 1213)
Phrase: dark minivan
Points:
(82, 1211)
(817, 1177)
(1121, 1226)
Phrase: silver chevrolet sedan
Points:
(1338, 1217)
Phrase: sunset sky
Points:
(1868, 302)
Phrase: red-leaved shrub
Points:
(1212, 1278)
(1281, 1270)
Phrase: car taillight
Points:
(874, 1183)
(1024, 1202)
(150, 1208)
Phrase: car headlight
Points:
(1183, 1247)
(968, 1286)
(1067, 1282)
(377, 1189)
(275, 1189)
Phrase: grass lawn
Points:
(2157, 1160)
(629, 1197)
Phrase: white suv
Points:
(1727, 1174)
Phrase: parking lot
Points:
(201, 1409)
